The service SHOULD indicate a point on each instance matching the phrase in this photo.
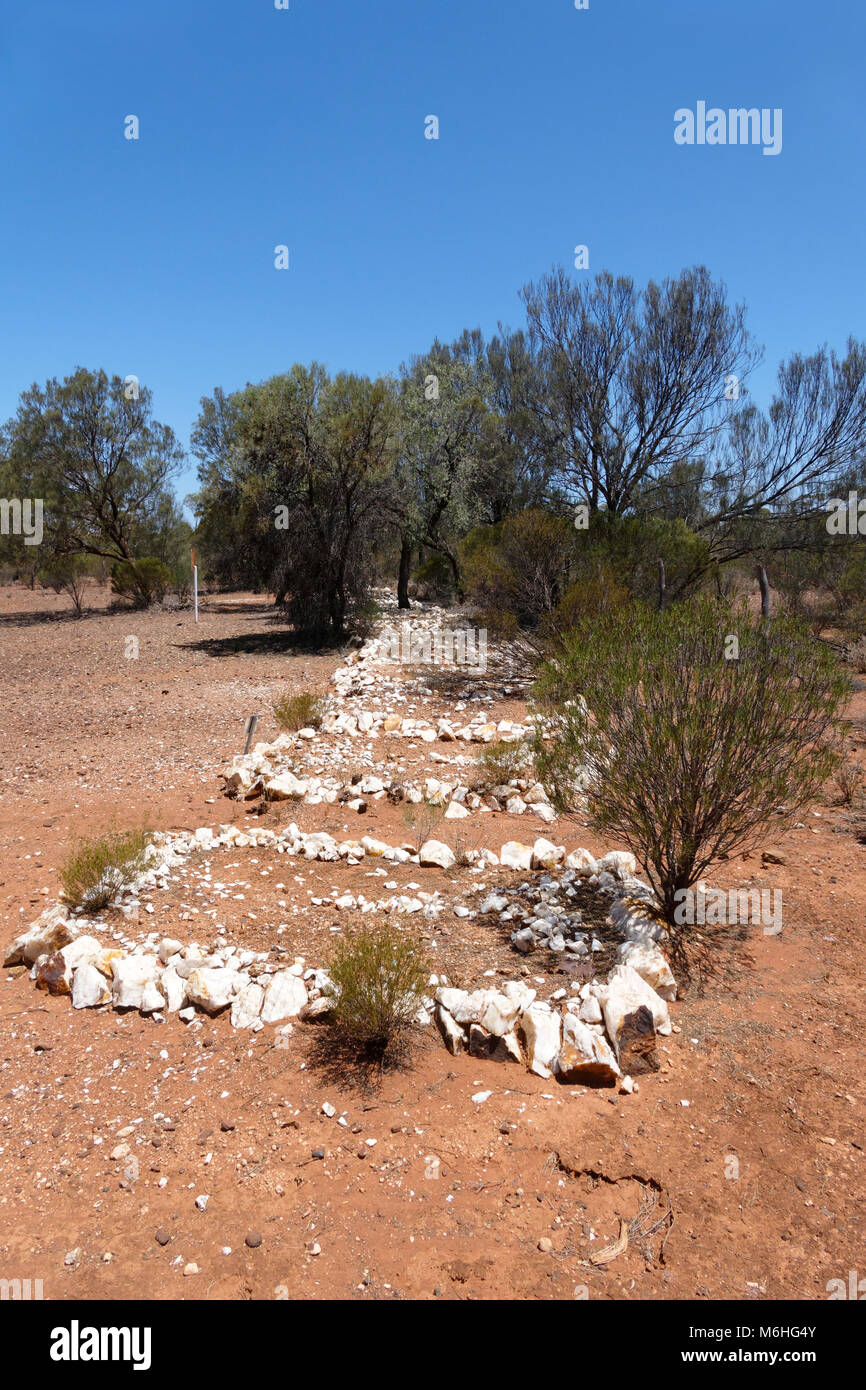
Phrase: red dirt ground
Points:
(762, 1171)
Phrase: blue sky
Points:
(305, 127)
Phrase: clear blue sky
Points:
(306, 127)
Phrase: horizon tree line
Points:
(610, 439)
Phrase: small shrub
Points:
(849, 781)
(499, 623)
(364, 618)
(71, 575)
(303, 710)
(500, 762)
(585, 600)
(142, 582)
(183, 586)
(691, 753)
(379, 976)
(855, 655)
(423, 819)
(98, 868)
(463, 846)
(434, 579)
(522, 565)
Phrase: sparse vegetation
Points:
(302, 710)
(849, 780)
(379, 975)
(423, 819)
(500, 624)
(500, 762)
(142, 582)
(98, 868)
(70, 575)
(463, 845)
(691, 750)
(855, 655)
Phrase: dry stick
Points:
(761, 575)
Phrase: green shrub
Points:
(522, 565)
(363, 619)
(143, 582)
(98, 868)
(379, 975)
(627, 550)
(690, 751)
(587, 599)
(303, 710)
(434, 578)
(500, 762)
(499, 624)
(70, 574)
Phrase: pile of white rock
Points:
(598, 1032)
(541, 913)
(270, 770)
(595, 1031)
(265, 773)
(160, 977)
(601, 1033)
(366, 669)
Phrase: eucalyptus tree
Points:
(304, 463)
(442, 398)
(90, 450)
(632, 383)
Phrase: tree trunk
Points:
(765, 591)
(403, 576)
(662, 589)
(455, 571)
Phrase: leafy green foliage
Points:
(441, 413)
(99, 461)
(500, 624)
(143, 582)
(583, 602)
(522, 565)
(297, 483)
(690, 752)
(71, 575)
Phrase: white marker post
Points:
(195, 585)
